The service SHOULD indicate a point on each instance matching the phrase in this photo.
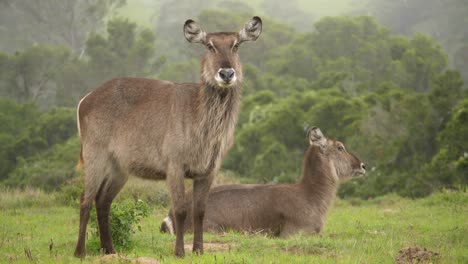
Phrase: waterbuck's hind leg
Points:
(93, 178)
(175, 181)
(85, 209)
(86, 202)
(201, 189)
(109, 189)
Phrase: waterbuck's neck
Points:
(319, 179)
(218, 109)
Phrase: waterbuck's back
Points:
(248, 207)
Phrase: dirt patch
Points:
(416, 255)
(210, 247)
(116, 258)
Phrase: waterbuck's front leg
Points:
(201, 188)
(175, 181)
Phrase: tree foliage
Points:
(393, 100)
(54, 75)
(29, 134)
(442, 20)
(66, 22)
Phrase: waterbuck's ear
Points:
(316, 137)
(193, 32)
(251, 30)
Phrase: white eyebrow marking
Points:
(235, 43)
(211, 43)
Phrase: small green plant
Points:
(123, 218)
(70, 192)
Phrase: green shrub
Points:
(70, 192)
(123, 218)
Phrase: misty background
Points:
(388, 78)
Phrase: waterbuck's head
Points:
(345, 164)
(221, 66)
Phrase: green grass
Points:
(356, 231)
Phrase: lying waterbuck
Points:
(162, 130)
(281, 209)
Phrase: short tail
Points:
(167, 226)
(79, 165)
(78, 125)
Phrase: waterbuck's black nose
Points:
(363, 166)
(227, 74)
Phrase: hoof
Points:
(180, 253)
(197, 250)
(79, 254)
(105, 251)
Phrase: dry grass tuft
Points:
(24, 198)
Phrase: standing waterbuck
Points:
(162, 130)
(281, 209)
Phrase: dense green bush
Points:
(29, 132)
(449, 166)
(47, 170)
(15, 119)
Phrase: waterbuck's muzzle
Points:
(360, 172)
(226, 77)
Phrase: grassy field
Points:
(33, 228)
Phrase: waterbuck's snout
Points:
(361, 171)
(358, 167)
(226, 76)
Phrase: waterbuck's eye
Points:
(341, 148)
(235, 48)
(210, 47)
